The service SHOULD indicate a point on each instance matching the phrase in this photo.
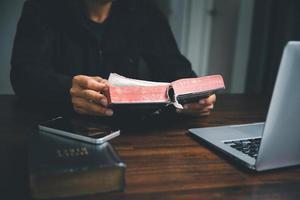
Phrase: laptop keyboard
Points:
(247, 146)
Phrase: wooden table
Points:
(163, 160)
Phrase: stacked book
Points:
(62, 167)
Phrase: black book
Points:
(62, 167)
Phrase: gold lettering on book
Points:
(72, 152)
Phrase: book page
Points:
(118, 80)
(138, 94)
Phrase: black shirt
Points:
(96, 28)
(54, 43)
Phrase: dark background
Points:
(234, 51)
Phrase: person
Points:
(64, 51)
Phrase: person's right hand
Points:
(87, 94)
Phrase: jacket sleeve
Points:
(160, 50)
(33, 74)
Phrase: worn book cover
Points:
(62, 167)
(126, 91)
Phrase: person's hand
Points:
(87, 94)
(201, 108)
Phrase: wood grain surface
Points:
(163, 160)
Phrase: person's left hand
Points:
(201, 108)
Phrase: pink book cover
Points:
(198, 85)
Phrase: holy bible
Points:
(62, 167)
(126, 91)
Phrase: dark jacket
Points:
(53, 44)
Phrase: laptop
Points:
(276, 142)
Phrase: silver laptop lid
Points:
(280, 146)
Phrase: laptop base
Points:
(219, 136)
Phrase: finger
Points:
(96, 78)
(205, 114)
(89, 95)
(212, 99)
(202, 103)
(208, 108)
(194, 112)
(80, 110)
(194, 106)
(89, 83)
(100, 80)
(90, 108)
(209, 100)
(198, 106)
(200, 109)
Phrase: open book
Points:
(124, 90)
